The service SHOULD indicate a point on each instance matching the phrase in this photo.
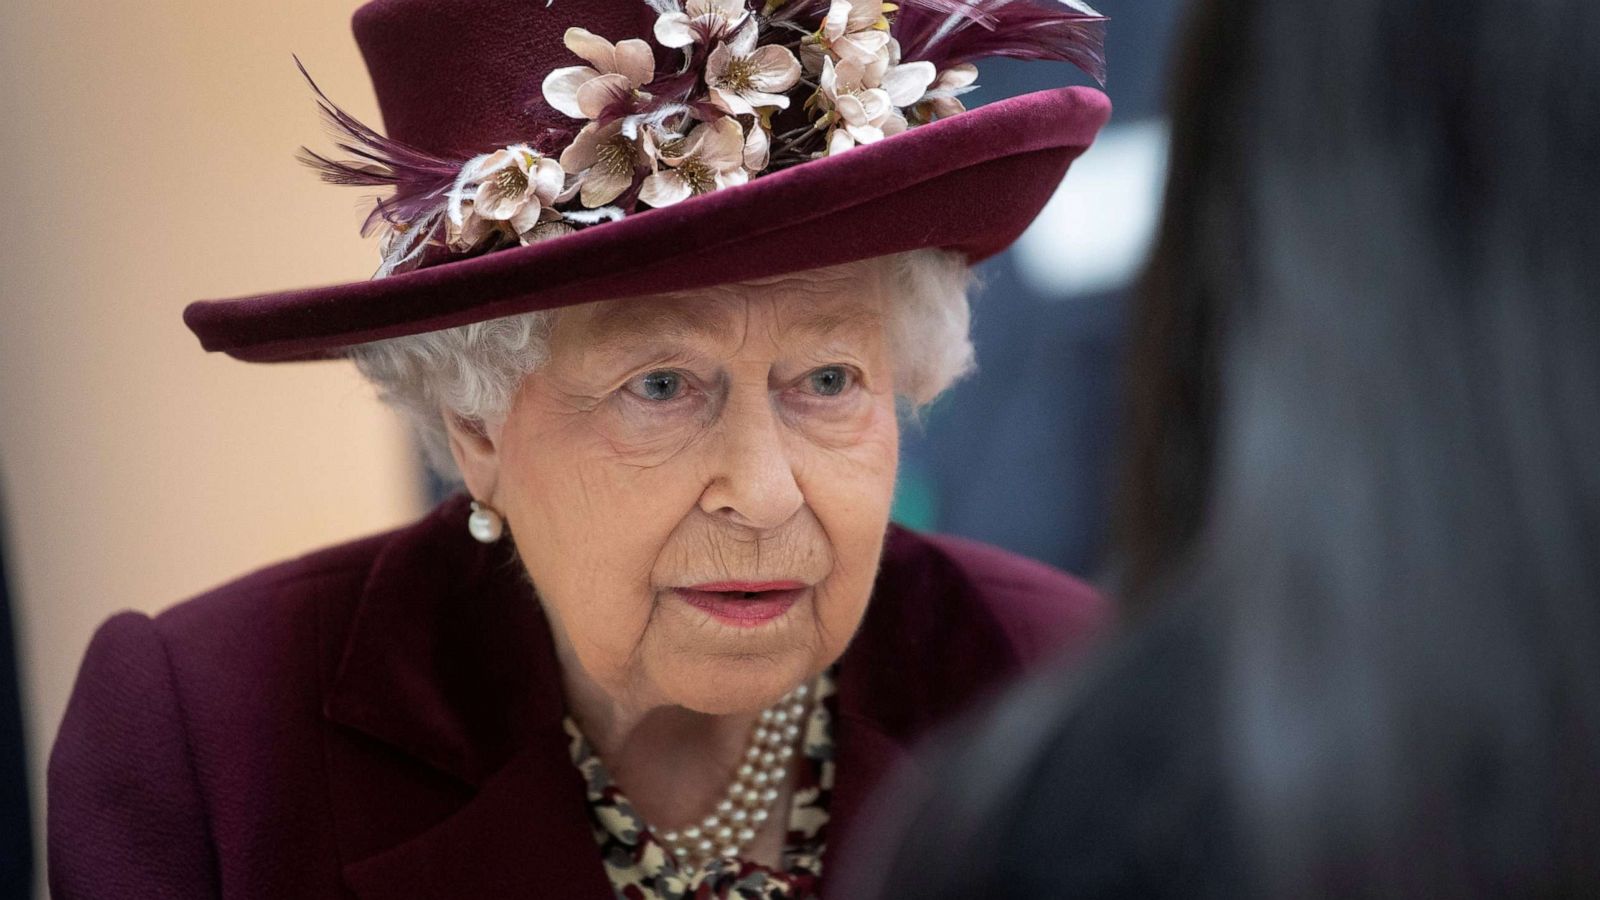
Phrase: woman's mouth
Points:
(743, 604)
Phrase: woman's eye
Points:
(829, 381)
(658, 386)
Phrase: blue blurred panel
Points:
(1138, 41)
(1022, 455)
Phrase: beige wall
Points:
(146, 155)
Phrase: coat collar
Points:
(450, 661)
(447, 659)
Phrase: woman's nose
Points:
(754, 484)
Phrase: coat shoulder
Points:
(1035, 609)
(951, 621)
(319, 589)
(265, 647)
(330, 571)
(160, 758)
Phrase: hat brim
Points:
(970, 184)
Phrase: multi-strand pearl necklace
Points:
(728, 831)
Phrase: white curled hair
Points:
(472, 371)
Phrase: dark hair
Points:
(1363, 506)
(1171, 364)
(1404, 525)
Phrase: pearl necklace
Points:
(747, 805)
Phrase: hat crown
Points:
(459, 80)
(456, 77)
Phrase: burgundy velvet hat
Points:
(518, 179)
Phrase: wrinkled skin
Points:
(747, 432)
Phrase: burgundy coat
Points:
(382, 720)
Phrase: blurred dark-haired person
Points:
(1361, 524)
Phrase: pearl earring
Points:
(485, 525)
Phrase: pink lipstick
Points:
(744, 604)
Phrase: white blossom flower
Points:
(711, 157)
(905, 83)
(614, 70)
(854, 114)
(855, 31)
(942, 98)
(606, 158)
(743, 77)
(701, 21)
(757, 146)
(509, 190)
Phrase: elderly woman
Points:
(662, 324)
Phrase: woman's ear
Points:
(477, 454)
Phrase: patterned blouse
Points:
(640, 867)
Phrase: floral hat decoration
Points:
(545, 154)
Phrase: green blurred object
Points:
(916, 500)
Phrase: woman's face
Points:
(699, 485)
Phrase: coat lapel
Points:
(449, 660)
(524, 833)
(865, 757)
(926, 650)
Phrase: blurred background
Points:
(148, 152)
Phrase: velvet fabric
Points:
(457, 77)
(462, 77)
(382, 720)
